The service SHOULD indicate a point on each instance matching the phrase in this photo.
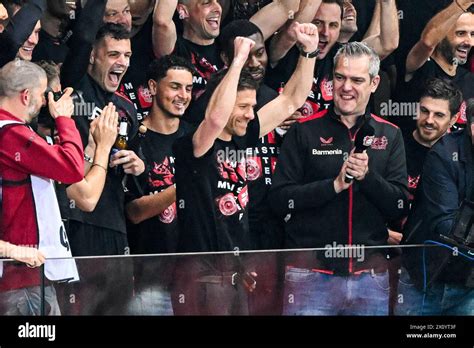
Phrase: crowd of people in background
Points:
(196, 127)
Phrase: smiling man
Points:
(103, 231)
(201, 21)
(21, 35)
(443, 47)
(438, 281)
(323, 209)
(284, 55)
(211, 179)
(153, 204)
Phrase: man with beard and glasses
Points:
(30, 224)
(153, 208)
(443, 47)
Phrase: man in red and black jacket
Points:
(28, 208)
(344, 218)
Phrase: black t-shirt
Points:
(261, 162)
(205, 59)
(212, 194)
(321, 95)
(410, 92)
(160, 233)
(415, 155)
(134, 84)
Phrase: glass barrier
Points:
(331, 281)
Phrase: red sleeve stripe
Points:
(381, 120)
(313, 117)
(123, 96)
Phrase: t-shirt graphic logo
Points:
(168, 215)
(254, 168)
(309, 108)
(162, 177)
(233, 179)
(162, 174)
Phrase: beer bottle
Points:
(121, 142)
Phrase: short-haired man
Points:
(103, 231)
(324, 210)
(30, 217)
(439, 280)
(437, 113)
(212, 192)
(153, 207)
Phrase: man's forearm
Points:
(389, 27)
(299, 86)
(440, 24)
(146, 207)
(80, 43)
(270, 18)
(282, 42)
(164, 29)
(222, 101)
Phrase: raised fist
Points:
(306, 35)
(242, 48)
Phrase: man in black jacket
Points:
(323, 210)
(440, 280)
(103, 231)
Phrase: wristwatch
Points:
(88, 158)
(313, 54)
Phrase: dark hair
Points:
(245, 82)
(471, 9)
(337, 2)
(470, 111)
(115, 31)
(445, 90)
(240, 27)
(159, 67)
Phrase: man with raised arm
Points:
(211, 179)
